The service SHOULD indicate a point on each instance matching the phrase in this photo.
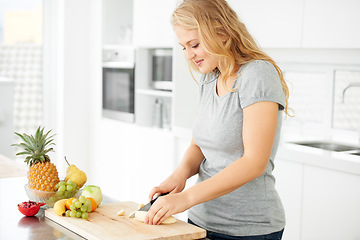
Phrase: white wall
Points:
(71, 53)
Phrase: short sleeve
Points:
(259, 81)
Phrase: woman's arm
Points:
(259, 129)
(188, 167)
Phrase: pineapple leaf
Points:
(26, 148)
(33, 141)
(22, 153)
(49, 143)
(48, 150)
(41, 139)
(29, 141)
(37, 134)
(46, 140)
(22, 137)
(35, 146)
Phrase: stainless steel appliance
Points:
(161, 69)
(118, 85)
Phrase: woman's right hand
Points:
(175, 183)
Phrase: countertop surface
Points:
(338, 161)
(14, 225)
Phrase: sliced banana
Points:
(121, 212)
(140, 206)
(140, 216)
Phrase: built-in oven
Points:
(118, 83)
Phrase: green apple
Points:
(93, 192)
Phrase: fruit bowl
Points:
(49, 197)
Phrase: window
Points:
(21, 36)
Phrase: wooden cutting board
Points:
(104, 223)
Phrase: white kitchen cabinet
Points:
(117, 16)
(289, 181)
(301, 23)
(274, 24)
(331, 24)
(331, 207)
(151, 23)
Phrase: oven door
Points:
(118, 93)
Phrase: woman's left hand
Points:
(166, 206)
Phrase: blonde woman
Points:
(243, 96)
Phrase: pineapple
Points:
(42, 174)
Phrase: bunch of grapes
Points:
(79, 208)
(65, 189)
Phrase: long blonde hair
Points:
(215, 21)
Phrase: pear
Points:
(75, 175)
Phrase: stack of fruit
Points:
(43, 180)
(74, 207)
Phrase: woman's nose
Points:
(189, 54)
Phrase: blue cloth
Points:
(219, 236)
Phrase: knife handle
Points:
(163, 194)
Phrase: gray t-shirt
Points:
(255, 208)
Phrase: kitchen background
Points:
(51, 74)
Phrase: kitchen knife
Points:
(147, 206)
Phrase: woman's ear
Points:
(224, 37)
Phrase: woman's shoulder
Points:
(207, 78)
(259, 66)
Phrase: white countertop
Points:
(339, 161)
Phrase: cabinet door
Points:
(331, 24)
(151, 21)
(289, 186)
(331, 208)
(274, 24)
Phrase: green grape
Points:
(51, 200)
(74, 185)
(85, 215)
(62, 188)
(78, 214)
(72, 206)
(69, 182)
(89, 208)
(72, 213)
(82, 199)
(57, 185)
(78, 204)
(67, 194)
(75, 200)
(84, 208)
(69, 188)
(59, 195)
(67, 213)
(87, 202)
(62, 183)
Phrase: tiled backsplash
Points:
(347, 100)
(23, 63)
(307, 95)
(316, 96)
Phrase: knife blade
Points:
(148, 205)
